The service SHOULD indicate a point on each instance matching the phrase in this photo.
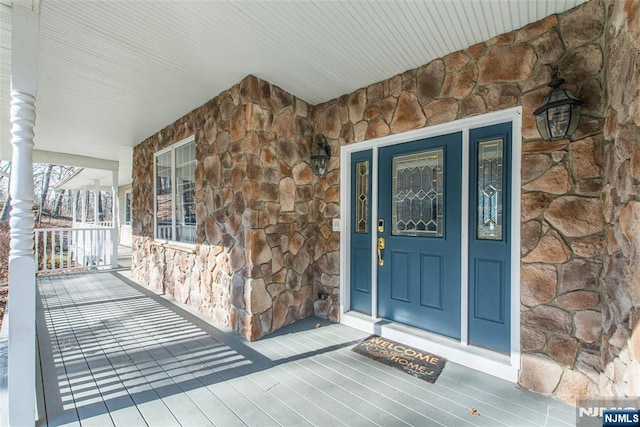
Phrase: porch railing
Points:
(78, 248)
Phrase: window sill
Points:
(182, 247)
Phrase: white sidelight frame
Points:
(458, 351)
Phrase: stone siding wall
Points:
(562, 223)
(257, 201)
(621, 204)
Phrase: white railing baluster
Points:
(69, 239)
(46, 248)
(95, 254)
(61, 255)
(94, 249)
(103, 248)
(74, 237)
(52, 250)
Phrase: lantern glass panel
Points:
(559, 118)
(541, 123)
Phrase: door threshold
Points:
(489, 362)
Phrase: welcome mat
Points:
(418, 363)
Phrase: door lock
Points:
(380, 248)
(381, 225)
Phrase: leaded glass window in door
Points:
(418, 194)
(362, 197)
(490, 189)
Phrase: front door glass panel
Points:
(418, 194)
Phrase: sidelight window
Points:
(490, 190)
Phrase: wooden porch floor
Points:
(113, 353)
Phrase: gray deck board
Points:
(113, 353)
(169, 402)
(365, 384)
(302, 385)
(478, 391)
(250, 392)
(314, 412)
(344, 389)
(185, 364)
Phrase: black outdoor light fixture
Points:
(559, 114)
(320, 155)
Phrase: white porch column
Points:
(22, 269)
(116, 219)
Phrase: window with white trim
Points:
(175, 190)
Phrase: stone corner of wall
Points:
(543, 375)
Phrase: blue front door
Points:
(420, 222)
(420, 231)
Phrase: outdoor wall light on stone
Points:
(321, 153)
(559, 114)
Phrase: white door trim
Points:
(496, 364)
(464, 236)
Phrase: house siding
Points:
(265, 246)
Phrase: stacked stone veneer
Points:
(259, 251)
(621, 204)
(265, 248)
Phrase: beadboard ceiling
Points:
(111, 73)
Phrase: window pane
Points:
(163, 196)
(490, 190)
(185, 193)
(362, 197)
(127, 208)
(418, 194)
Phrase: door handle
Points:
(380, 248)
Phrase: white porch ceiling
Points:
(112, 73)
(85, 178)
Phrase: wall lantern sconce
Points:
(559, 114)
(320, 155)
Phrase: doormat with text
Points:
(418, 363)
